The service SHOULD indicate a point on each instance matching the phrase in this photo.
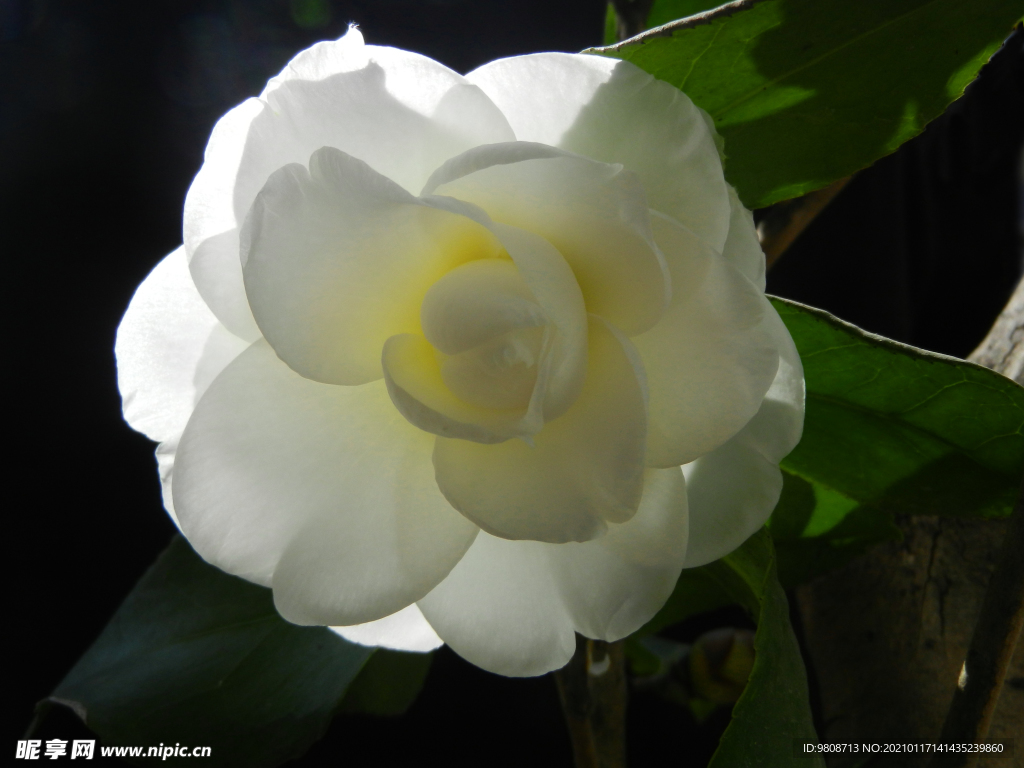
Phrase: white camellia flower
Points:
(483, 360)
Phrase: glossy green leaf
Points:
(774, 708)
(197, 657)
(808, 91)
(817, 529)
(890, 429)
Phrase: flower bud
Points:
(720, 664)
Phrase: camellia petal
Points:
(512, 607)
(325, 493)
(169, 346)
(217, 272)
(742, 247)
(338, 258)
(210, 226)
(210, 203)
(711, 358)
(220, 349)
(462, 414)
(417, 388)
(595, 214)
(613, 111)
(476, 302)
(732, 492)
(553, 286)
(613, 585)
(420, 384)
(779, 423)
(324, 59)
(406, 630)
(582, 469)
(165, 452)
(497, 609)
(402, 113)
(734, 489)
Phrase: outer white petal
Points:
(613, 111)
(168, 344)
(324, 59)
(210, 204)
(211, 227)
(743, 248)
(402, 113)
(594, 213)
(338, 258)
(779, 423)
(585, 467)
(165, 468)
(406, 630)
(169, 348)
(324, 492)
(734, 489)
(711, 358)
(498, 609)
(217, 271)
(613, 585)
(512, 607)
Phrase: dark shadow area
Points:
(925, 245)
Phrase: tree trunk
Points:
(887, 633)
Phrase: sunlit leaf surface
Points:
(808, 91)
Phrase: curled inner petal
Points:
(584, 469)
(337, 259)
(419, 391)
(476, 302)
(488, 332)
(594, 213)
(500, 373)
(504, 346)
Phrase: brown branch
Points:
(995, 635)
(592, 689)
(786, 220)
(1002, 611)
(1003, 348)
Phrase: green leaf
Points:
(388, 684)
(774, 708)
(817, 529)
(610, 25)
(808, 91)
(197, 657)
(890, 429)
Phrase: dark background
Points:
(105, 108)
